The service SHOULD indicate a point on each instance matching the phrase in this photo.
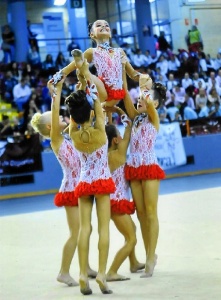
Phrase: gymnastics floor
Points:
(33, 232)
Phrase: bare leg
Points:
(103, 214)
(83, 68)
(85, 209)
(137, 193)
(72, 214)
(135, 265)
(151, 190)
(125, 225)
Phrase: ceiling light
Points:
(59, 2)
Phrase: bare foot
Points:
(145, 82)
(91, 273)
(149, 268)
(103, 284)
(137, 267)
(116, 277)
(67, 279)
(84, 286)
(78, 57)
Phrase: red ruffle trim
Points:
(122, 207)
(113, 94)
(65, 199)
(102, 186)
(144, 172)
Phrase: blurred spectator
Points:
(202, 64)
(195, 40)
(172, 110)
(32, 36)
(201, 99)
(150, 59)
(61, 61)
(189, 113)
(134, 91)
(217, 62)
(196, 80)
(5, 127)
(140, 59)
(173, 64)
(189, 101)
(164, 46)
(34, 57)
(171, 83)
(179, 94)
(7, 86)
(8, 44)
(48, 63)
(186, 81)
(215, 110)
(73, 45)
(21, 93)
(162, 64)
(213, 96)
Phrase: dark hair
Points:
(159, 92)
(111, 133)
(90, 25)
(78, 106)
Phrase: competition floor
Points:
(33, 231)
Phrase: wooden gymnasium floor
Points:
(33, 231)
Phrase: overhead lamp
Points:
(59, 2)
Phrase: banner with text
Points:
(169, 146)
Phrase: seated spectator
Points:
(173, 64)
(61, 61)
(178, 117)
(171, 83)
(201, 99)
(218, 78)
(171, 110)
(189, 113)
(163, 65)
(217, 62)
(5, 127)
(158, 74)
(213, 96)
(189, 101)
(204, 112)
(150, 59)
(48, 63)
(202, 64)
(134, 91)
(73, 45)
(7, 85)
(140, 60)
(8, 44)
(21, 93)
(215, 110)
(34, 57)
(186, 81)
(179, 94)
(196, 80)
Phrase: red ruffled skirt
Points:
(150, 172)
(66, 199)
(122, 207)
(102, 186)
(113, 94)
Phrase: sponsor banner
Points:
(20, 155)
(169, 146)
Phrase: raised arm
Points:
(56, 137)
(151, 110)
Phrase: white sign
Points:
(169, 146)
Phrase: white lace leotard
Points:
(109, 69)
(142, 161)
(95, 177)
(70, 163)
(120, 199)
